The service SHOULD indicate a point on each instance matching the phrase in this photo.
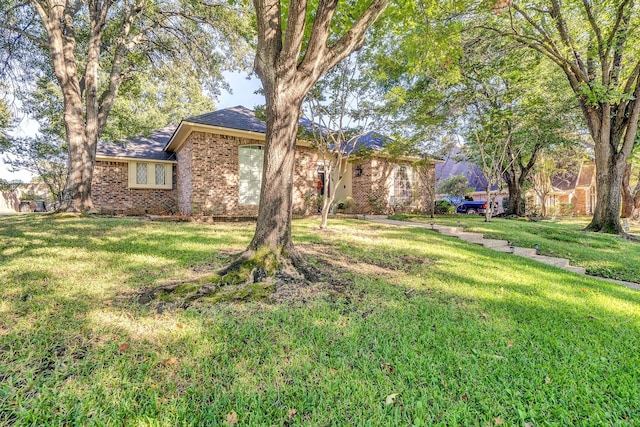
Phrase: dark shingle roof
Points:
(567, 176)
(456, 164)
(242, 118)
(238, 117)
(373, 141)
(152, 147)
(149, 147)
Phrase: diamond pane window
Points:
(160, 178)
(141, 173)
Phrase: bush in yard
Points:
(443, 207)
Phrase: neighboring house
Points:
(22, 197)
(573, 191)
(212, 165)
(455, 163)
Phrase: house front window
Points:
(402, 188)
(150, 175)
(141, 173)
(250, 160)
(160, 174)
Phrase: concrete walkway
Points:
(496, 245)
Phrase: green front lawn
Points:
(460, 334)
(603, 255)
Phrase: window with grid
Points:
(141, 173)
(401, 184)
(160, 175)
(150, 175)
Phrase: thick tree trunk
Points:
(515, 196)
(635, 214)
(516, 175)
(76, 196)
(273, 229)
(609, 173)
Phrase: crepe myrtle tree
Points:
(340, 111)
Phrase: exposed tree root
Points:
(253, 275)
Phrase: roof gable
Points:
(587, 173)
(238, 117)
(566, 178)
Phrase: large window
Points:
(402, 186)
(150, 175)
(250, 159)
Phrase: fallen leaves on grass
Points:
(171, 361)
(292, 414)
(123, 347)
(231, 419)
(498, 421)
(391, 398)
(387, 367)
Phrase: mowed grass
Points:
(460, 334)
(603, 255)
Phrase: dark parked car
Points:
(471, 207)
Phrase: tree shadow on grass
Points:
(456, 348)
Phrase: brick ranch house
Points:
(212, 165)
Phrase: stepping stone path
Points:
(496, 245)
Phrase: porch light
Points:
(359, 170)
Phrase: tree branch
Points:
(352, 40)
(294, 34)
(269, 39)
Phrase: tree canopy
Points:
(593, 44)
(92, 47)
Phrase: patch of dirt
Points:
(321, 270)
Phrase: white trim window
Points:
(151, 175)
(250, 160)
(402, 185)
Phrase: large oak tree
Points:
(594, 43)
(91, 47)
(298, 42)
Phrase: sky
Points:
(243, 88)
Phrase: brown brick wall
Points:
(209, 165)
(361, 186)
(112, 195)
(371, 189)
(580, 201)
